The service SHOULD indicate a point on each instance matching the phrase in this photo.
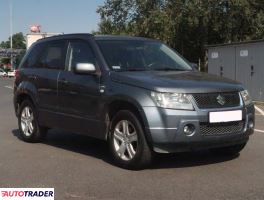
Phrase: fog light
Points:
(251, 124)
(189, 129)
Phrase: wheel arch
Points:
(126, 103)
(24, 91)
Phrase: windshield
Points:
(136, 55)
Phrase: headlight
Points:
(172, 100)
(246, 97)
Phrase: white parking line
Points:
(259, 110)
(9, 87)
(257, 130)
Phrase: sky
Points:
(56, 16)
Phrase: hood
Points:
(176, 81)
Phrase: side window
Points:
(32, 56)
(53, 55)
(79, 52)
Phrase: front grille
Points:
(211, 100)
(221, 128)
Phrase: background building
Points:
(243, 62)
(36, 34)
(33, 37)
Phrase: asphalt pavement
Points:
(79, 167)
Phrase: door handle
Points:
(64, 81)
(32, 77)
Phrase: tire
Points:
(229, 151)
(30, 131)
(129, 148)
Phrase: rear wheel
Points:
(30, 131)
(127, 141)
(231, 150)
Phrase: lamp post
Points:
(11, 32)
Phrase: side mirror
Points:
(85, 68)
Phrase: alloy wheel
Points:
(27, 118)
(125, 140)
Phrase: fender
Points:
(132, 101)
(25, 88)
(126, 98)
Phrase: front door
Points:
(79, 94)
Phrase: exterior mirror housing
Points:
(194, 66)
(85, 68)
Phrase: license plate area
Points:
(225, 116)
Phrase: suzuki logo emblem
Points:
(221, 100)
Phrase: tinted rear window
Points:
(32, 56)
(53, 55)
(46, 55)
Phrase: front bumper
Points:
(165, 129)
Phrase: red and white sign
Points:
(35, 28)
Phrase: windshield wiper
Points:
(168, 69)
(131, 69)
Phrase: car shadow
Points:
(99, 149)
(189, 159)
(75, 143)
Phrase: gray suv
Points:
(136, 93)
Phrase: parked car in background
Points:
(2, 73)
(136, 93)
(11, 73)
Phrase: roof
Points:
(234, 43)
(97, 37)
(64, 36)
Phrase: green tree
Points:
(5, 60)
(186, 25)
(18, 42)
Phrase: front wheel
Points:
(30, 131)
(229, 151)
(127, 141)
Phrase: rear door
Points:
(44, 74)
(50, 63)
(79, 94)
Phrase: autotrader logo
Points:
(26, 193)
